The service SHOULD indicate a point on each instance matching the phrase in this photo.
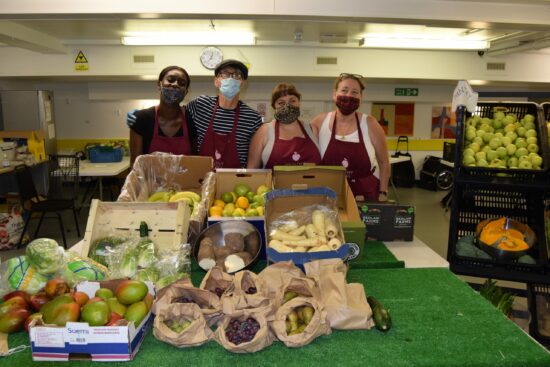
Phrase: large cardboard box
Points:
(168, 222)
(333, 177)
(164, 172)
(284, 201)
(388, 222)
(80, 341)
(225, 180)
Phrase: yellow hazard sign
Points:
(81, 62)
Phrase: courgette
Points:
(380, 315)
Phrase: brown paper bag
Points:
(275, 275)
(262, 339)
(208, 302)
(303, 287)
(216, 278)
(237, 296)
(316, 327)
(346, 304)
(196, 334)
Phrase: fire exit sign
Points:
(406, 92)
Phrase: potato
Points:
(252, 243)
(235, 241)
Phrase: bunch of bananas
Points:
(190, 197)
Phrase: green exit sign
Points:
(406, 92)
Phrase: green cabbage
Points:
(20, 275)
(46, 256)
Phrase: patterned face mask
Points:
(287, 113)
(347, 104)
(172, 96)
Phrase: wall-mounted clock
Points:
(211, 57)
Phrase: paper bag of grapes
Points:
(208, 302)
(246, 292)
(297, 287)
(244, 331)
(299, 321)
(346, 304)
(182, 325)
(276, 275)
(216, 281)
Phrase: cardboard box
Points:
(333, 177)
(80, 341)
(168, 222)
(225, 180)
(284, 201)
(35, 141)
(162, 171)
(388, 222)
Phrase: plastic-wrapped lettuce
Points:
(80, 268)
(173, 265)
(46, 256)
(150, 274)
(101, 248)
(18, 274)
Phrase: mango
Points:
(56, 287)
(80, 297)
(14, 303)
(54, 312)
(14, 320)
(104, 293)
(115, 306)
(148, 299)
(131, 291)
(136, 312)
(95, 314)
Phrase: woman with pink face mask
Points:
(354, 140)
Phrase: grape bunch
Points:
(238, 332)
(219, 291)
(251, 290)
(183, 300)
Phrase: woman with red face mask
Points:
(286, 140)
(354, 140)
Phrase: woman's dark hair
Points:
(284, 89)
(173, 67)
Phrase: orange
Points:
(242, 202)
(215, 211)
(219, 203)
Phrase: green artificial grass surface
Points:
(438, 320)
(376, 256)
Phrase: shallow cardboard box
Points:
(226, 179)
(80, 341)
(333, 177)
(388, 222)
(283, 201)
(168, 222)
(193, 174)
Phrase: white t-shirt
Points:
(325, 133)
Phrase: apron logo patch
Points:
(217, 155)
(296, 156)
(345, 163)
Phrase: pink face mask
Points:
(347, 104)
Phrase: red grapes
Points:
(238, 332)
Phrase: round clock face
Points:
(211, 57)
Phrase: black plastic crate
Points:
(488, 174)
(473, 203)
(538, 299)
(546, 111)
(449, 151)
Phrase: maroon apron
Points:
(295, 151)
(170, 144)
(355, 158)
(221, 147)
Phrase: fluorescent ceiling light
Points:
(424, 43)
(189, 38)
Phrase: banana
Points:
(187, 200)
(159, 196)
(186, 194)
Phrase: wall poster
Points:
(396, 118)
(443, 122)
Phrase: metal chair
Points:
(62, 193)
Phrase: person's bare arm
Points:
(316, 123)
(257, 144)
(136, 146)
(378, 139)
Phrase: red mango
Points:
(30, 318)
(80, 297)
(13, 303)
(23, 294)
(38, 300)
(56, 287)
(14, 320)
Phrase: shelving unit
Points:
(480, 193)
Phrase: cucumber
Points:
(381, 316)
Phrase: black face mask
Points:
(172, 96)
(287, 113)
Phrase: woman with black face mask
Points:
(163, 128)
(286, 140)
(355, 141)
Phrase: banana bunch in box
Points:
(191, 198)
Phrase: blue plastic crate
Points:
(100, 154)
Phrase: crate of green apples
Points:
(504, 140)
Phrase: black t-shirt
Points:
(145, 123)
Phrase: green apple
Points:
(525, 165)
(469, 160)
(501, 152)
(530, 133)
(470, 133)
(506, 140)
(531, 140)
(494, 143)
(475, 147)
(491, 155)
(487, 137)
(529, 126)
(499, 134)
(510, 118)
(521, 131)
(478, 140)
(485, 149)
(509, 128)
(471, 121)
(468, 152)
(536, 161)
(480, 133)
(498, 115)
(512, 135)
(485, 127)
(512, 162)
(532, 148)
(520, 143)
(481, 155)
(521, 152)
(511, 149)
(495, 163)
(482, 163)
